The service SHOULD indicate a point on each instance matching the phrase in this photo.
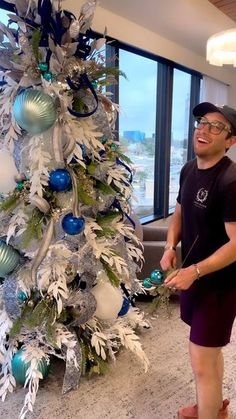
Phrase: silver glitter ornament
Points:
(9, 258)
(34, 111)
(83, 306)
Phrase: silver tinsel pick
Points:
(73, 373)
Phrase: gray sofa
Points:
(154, 240)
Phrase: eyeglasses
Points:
(215, 127)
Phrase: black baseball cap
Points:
(207, 107)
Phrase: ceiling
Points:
(228, 7)
(187, 22)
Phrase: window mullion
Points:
(194, 100)
(163, 139)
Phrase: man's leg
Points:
(207, 365)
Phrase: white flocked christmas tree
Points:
(69, 254)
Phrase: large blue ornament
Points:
(19, 367)
(157, 277)
(60, 180)
(125, 307)
(9, 258)
(73, 225)
(34, 111)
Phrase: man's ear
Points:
(231, 141)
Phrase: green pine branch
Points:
(19, 322)
(91, 168)
(84, 357)
(85, 198)
(105, 188)
(104, 221)
(34, 228)
(108, 71)
(36, 37)
(114, 280)
(10, 203)
(123, 157)
(78, 105)
(99, 366)
(91, 362)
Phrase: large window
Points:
(137, 124)
(155, 126)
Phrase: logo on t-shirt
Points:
(201, 197)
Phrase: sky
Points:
(138, 96)
(3, 16)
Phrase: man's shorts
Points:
(209, 312)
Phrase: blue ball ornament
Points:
(147, 283)
(157, 277)
(125, 307)
(60, 180)
(19, 367)
(9, 258)
(73, 225)
(34, 111)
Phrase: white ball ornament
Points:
(8, 172)
(109, 300)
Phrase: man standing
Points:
(205, 222)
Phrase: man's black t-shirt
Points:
(208, 200)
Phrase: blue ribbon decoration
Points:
(83, 50)
(83, 82)
(3, 82)
(116, 204)
(118, 161)
(45, 12)
(127, 294)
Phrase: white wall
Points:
(133, 34)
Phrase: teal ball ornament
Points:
(34, 111)
(48, 76)
(43, 67)
(147, 283)
(9, 258)
(22, 296)
(157, 277)
(19, 367)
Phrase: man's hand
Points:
(181, 279)
(168, 260)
